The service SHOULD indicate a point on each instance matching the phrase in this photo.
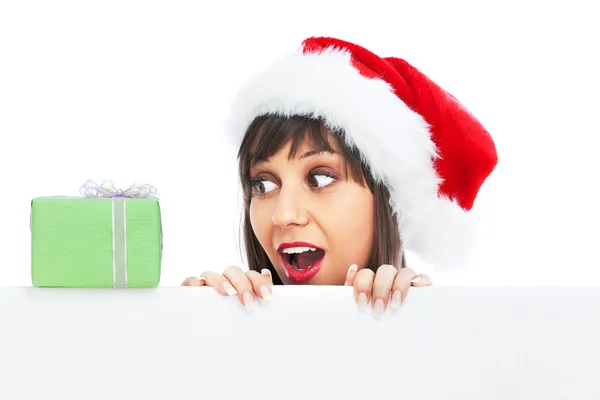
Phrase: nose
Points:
(289, 211)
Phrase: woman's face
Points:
(310, 218)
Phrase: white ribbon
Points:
(108, 190)
(119, 220)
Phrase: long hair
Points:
(266, 136)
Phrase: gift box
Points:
(107, 238)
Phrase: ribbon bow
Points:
(108, 190)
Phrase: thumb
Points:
(351, 275)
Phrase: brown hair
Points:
(265, 136)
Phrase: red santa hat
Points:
(430, 152)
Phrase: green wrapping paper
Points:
(107, 239)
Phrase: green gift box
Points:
(108, 238)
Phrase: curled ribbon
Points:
(108, 190)
(119, 220)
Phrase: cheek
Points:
(350, 229)
(260, 219)
(358, 231)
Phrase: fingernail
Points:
(416, 279)
(194, 282)
(265, 272)
(229, 289)
(265, 293)
(362, 301)
(396, 299)
(378, 308)
(248, 300)
(353, 267)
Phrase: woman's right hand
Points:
(247, 286)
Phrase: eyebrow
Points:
(301, 157)
(316, 152)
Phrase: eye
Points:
(320, 180)
(262, 187)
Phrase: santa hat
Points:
(416, 138)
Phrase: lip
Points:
(299, 276)
(295, 244)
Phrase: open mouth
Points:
(301, 263)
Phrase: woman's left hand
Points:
(389, 286)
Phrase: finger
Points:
(219, 283)
(267, 272)
(193, 281)
(242, 284)
(421, 280)
(261, 284)
(401, 285)
(351, 275)
(382, 287)
(363, 284)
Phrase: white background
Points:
(138, 91)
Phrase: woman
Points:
(346, 160)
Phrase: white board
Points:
(189, 343)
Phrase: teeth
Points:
(296, 250)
